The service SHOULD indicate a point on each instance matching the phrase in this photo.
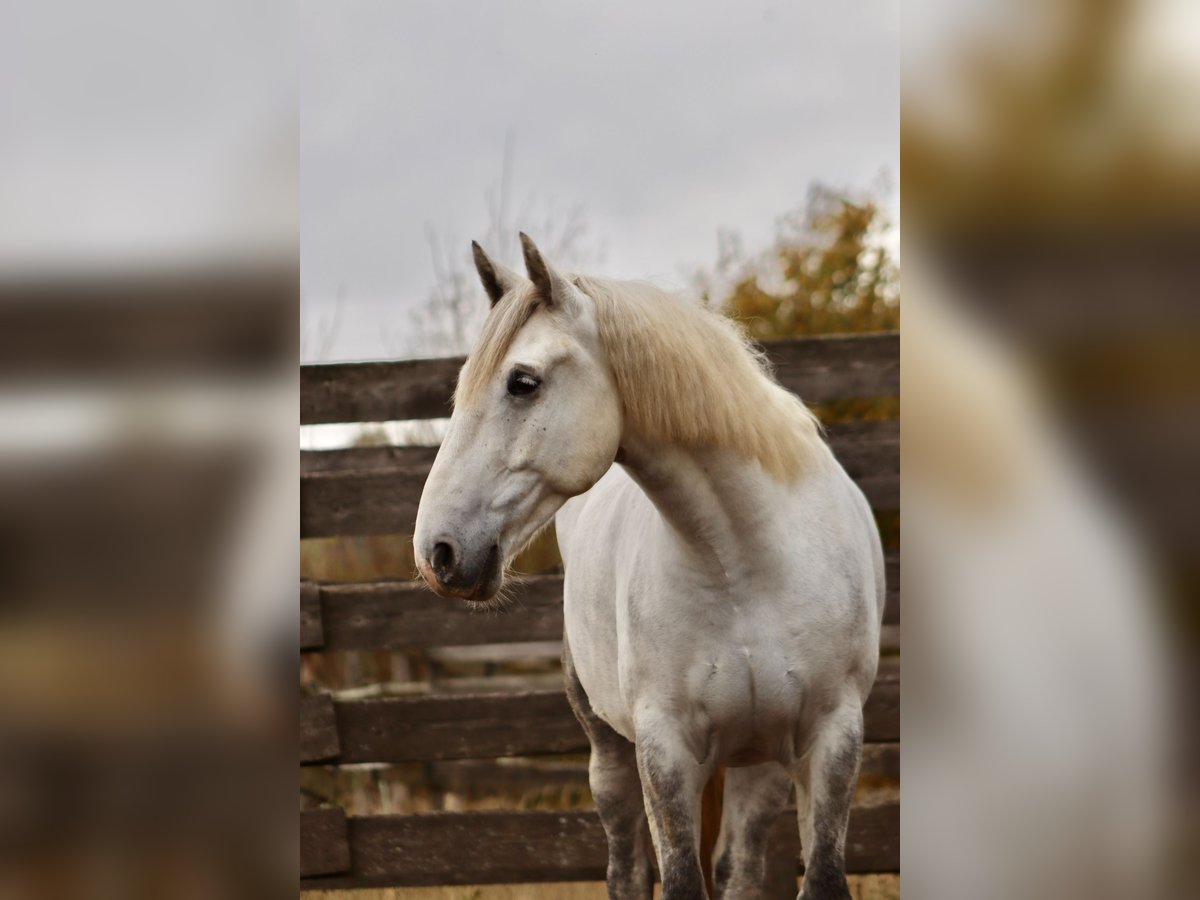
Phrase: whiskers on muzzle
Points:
(505, 599)
(488, 586)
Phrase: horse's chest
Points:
(736, 671)
(721, 667)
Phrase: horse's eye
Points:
(521, 383)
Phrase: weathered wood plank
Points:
(465, 726)
(862, 447)
(549, 650)
(318, 728)
(380, 501)
(823, 369)
(397, 615)
(365, 458)
(402, 615)
(516, 651)
(406, 615)
(891, 612)
(866, 448)
(376, 490)
(488, 777)
(882, 760)
(324, 842)
(817, 369)
(109, 324)
(516, 847)
(377, 391)
(485, 726)
(889, 638)
(384, 501)
(311, 631)
(492, 847)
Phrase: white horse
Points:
(724, 584)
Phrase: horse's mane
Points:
(685, 375)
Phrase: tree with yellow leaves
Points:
(828, 272)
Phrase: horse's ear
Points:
(497, 280)
(553, 287)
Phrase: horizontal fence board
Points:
(881, 760)
(394, 615)
(318, 728)
(312, 633)
(862, 447)
(485, 726)
(515, 651)
(891, 612)
(377, 391)
(380, 501)
(882, 490)
(324, 842)
(350, 458)
(548, 650)
(866, 448)
(468, 726)
(518, 847)
(356, 499)
(384, 501)
(401, 615)
(119, 325)
(817, 369)
(488, 777)
(889, 639)
(824, 369)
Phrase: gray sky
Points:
(664, 121)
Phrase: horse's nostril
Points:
(442, 558)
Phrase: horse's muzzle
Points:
(452, 573)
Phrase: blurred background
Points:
(1049, 447)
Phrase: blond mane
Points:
(685, 375)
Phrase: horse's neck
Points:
(721, 508)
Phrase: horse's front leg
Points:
(616, 788)
(617, 791)
(672, 782)
(825, 782)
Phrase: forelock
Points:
(500, 329)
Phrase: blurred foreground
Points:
(1051, 397)
(148, 300)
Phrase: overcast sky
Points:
(664, 122)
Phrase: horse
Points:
(724, 581)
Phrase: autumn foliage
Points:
(828, 272)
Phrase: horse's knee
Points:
(672, 787)
(672, 782)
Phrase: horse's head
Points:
(537, 420)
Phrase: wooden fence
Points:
(375, 490)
